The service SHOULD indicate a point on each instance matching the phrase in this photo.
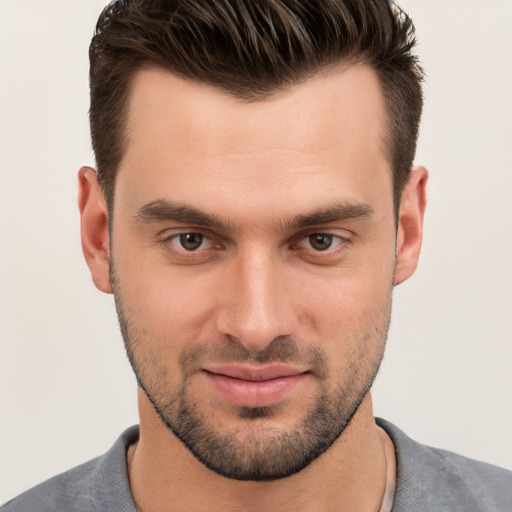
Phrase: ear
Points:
(410, 224)
(94, 227)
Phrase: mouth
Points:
(252, 386)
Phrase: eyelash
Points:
(336, 239)
(340, 244)
(169, 241)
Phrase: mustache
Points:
(282, 349)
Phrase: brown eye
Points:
(191, 241)
(321, 241)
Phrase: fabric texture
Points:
(428, 480)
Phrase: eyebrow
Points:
(163, 210)
(334, 213)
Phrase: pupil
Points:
(321, 242)
(191, 241)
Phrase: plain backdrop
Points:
(66, 389)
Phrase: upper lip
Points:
(254, 373)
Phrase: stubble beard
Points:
(251, 451)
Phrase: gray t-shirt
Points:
(428, 480)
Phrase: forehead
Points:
(325, 133)
(347, 97)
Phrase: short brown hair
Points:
(251, 49)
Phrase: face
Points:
(253, 255)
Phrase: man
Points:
(252, 211)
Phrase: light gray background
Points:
(66, 389)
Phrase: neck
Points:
(350, 475)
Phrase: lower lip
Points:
(246, 393)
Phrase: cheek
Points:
(161, 324)
(164, 302)
(168, 305)
(352, 329)
(348, 301)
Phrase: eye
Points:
(322, 241)
(318, 247)
(190, 241)
(191, 247)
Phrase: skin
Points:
(257, 167)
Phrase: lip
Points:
(250, 386)
(254, 373)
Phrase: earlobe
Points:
(410, 224)
(94, 227)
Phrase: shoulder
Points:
(431, 479)
(68, 491)
(100, 484)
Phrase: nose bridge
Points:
(257, 306)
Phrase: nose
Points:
(256, 303)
